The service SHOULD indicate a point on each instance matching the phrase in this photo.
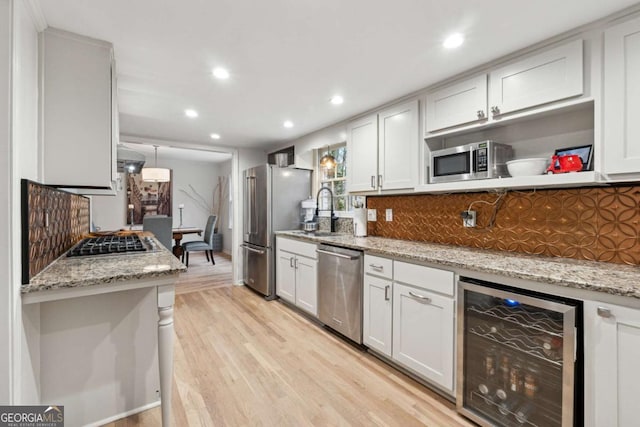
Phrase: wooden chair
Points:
(205, 245)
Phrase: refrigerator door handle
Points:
(250, 249)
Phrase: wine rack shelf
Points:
(539, 320)
(514, 338)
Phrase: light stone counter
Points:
(73, 272)
(614, 279)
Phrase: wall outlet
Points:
(371, 214)
(389, 215)
(468, 218)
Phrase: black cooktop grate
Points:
(107, 245)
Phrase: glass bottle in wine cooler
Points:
(517, 356)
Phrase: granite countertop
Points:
(73, 272)
(614, 279)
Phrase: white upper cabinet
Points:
(457, 104)
(622, 99)
(520, 86)
(78, 112)
(546, 77)
(398, 143)
(382, 150)
(362, 154)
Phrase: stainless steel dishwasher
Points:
(340, 273)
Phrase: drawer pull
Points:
(604, 312)
(423, 298)
(376, 267)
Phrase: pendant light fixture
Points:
(328, 161)
(156, 174)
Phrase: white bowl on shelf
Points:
(527, 167)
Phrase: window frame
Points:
(348, 212)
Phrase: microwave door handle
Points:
(472, 162)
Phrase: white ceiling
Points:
(178, 153)
(288, 57)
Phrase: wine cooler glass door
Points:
(515, 358)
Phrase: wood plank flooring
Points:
(244, 361)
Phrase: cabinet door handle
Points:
(380, 181)
(495, 110)
(373, 181)
(604, 312)
(295, 263)
(423, 298)
(386, 292)
(376, 267)
(291, 262)
(481, 114)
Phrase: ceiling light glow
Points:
(191, 113)
(215, 136)
(288, 124)
(453, 41)
(337, 100)
(220, 73)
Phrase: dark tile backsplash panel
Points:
(52, 222)
(601, 224)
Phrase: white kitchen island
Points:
(101, 334)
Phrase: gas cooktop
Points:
(108, 245)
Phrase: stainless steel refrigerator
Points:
(272, 199)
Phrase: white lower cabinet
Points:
(297, 274)
(286, 276)
(409, 317)
(376, 331)
(423, 333)
(612, 352)
(307, 284)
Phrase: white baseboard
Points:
(125, 414)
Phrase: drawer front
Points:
(378, 266)
(297, 247)
(432, 279)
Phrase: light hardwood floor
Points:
(244, 361)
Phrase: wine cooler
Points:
(519, 356)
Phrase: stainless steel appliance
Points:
(271, 203)
(519, 356)
(111, 244)
(340, 274)
(479, 160)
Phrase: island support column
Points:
(166, 298)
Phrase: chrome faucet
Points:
(334, 218)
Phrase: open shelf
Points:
(521, 182)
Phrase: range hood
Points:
(129, 160)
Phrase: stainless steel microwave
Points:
(479, 160)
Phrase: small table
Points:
(177, 236)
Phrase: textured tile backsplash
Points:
(601, 224)
(52, 222)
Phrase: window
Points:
(335, 179)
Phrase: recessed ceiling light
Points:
(215, 136)
(337, 100)
(288, 124)
(220, 73)
(453, 41)
(191, 113)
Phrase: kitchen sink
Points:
(317, 233)
(325, 233)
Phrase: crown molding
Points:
(37, 16)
